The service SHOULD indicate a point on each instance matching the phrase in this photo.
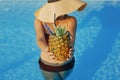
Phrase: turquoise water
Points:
(97, 42)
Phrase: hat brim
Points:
(46, 13)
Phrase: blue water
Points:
(97, 42)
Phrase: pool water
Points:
(97, 46)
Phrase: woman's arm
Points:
(72, 29)
(40, 37)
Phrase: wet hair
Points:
(62, 17)
(51, 1)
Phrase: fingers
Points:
(51, 56)
(71, 51)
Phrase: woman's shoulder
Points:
(37, 22)
(71, 19)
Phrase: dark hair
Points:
(62, 17)
(51, 1)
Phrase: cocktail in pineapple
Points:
(59, 43)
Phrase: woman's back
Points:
(64, 21)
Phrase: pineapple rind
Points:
(60, 48)
(59, 44)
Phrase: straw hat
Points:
(58, 7)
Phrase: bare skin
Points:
(69, 22)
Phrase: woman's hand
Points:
(50, 55)
(71, 52)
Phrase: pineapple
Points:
(59, 43)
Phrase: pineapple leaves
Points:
(59, 31)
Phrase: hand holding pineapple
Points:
(59, 44)
(70, 54)
(50, 58)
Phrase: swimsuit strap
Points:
(48, 29)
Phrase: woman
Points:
(55, 12)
